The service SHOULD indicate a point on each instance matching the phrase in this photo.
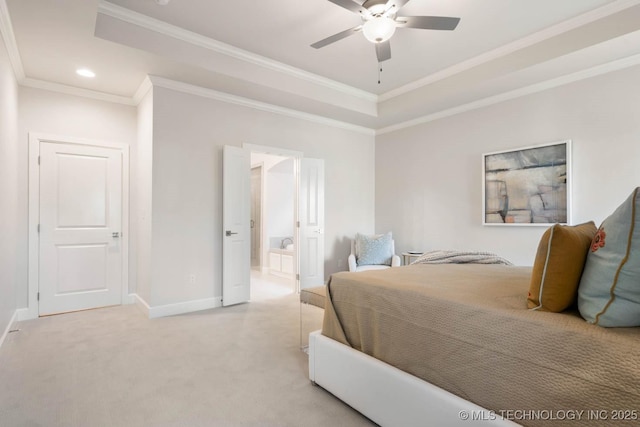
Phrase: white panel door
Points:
(311, 214)
(236, 231)
(80, 227)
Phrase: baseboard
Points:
(9, 327)
(184, 307)
(25, 314)
(140, 303)
(178, 308)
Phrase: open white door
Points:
(236, 218)
(311, 215)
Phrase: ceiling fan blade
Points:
(428, 22)
(383, 51)
(334, 38)
(349, 5)
(398, 4)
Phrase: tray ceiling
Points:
(261, 51)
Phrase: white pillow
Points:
(374, 250)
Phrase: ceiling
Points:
(259, 52)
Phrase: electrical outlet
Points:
(192, 278)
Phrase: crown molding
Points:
(257, 105)
(144, 21)
(151, 81)
(509, 48)
(144, 87)
(72, 90)
(6, 30)
(517, 93)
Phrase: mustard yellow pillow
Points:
(561, 256)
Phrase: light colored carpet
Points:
(235, 366)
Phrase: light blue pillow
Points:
(374, 250)
(609, 291)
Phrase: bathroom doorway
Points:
(298, 258)
(273, 221)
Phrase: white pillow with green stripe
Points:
(609, 292)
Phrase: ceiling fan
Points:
(380, 21)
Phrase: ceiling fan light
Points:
(379, 29)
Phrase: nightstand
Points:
(409, 257)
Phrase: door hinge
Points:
(38, 228)
(298, 224)
(297, 277)
(38, 296)
(38, 159)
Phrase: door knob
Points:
(115, 234)
(229, 233)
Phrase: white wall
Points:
(54, 113)
(188, 135)
(428, 177)
(8, 190)
(141, 212)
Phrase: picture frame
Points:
(529, 186)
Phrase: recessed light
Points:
(85, 72)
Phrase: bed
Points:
(454, 344)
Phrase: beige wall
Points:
(188, 135)
(9, 279)
(428, 177)
(42, 111)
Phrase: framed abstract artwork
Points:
(527, 186)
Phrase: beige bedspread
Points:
(466, 329)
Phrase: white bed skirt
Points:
(387, 395)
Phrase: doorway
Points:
(305, 261)
(273, 224)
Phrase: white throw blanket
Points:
(460, 257)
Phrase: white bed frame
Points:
(387, 395)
